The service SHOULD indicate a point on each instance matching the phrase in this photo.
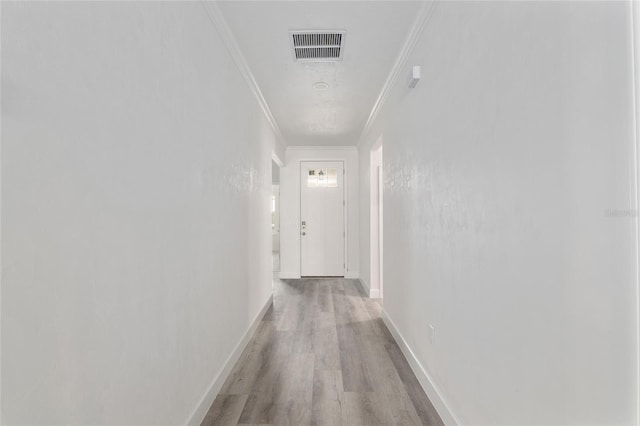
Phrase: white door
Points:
(322, 219)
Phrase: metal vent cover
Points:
(317, 46)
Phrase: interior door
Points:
(322, 219)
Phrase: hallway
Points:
(470, 168)
(323, 356)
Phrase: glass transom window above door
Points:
(322, 178)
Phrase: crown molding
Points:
(221, 26)
(425, 13)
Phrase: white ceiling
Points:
(375, 34)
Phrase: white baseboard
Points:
(365, 286)
(372, 293)
(432, 391)
(352, 275)
(202, 408)
(289, 275)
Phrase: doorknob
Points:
(303, 233)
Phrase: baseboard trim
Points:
(321, 148)
(364, 286)
(352, 275)
(205, 402)
(289, 275)
(372, 293)
(439, 402)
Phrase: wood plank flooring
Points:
(322, 356)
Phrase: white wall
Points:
(499, 169)
(136, 185)
(290, 206)
(275, 219)
(275, 173)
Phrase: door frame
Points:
(344, 208)
(376, 221)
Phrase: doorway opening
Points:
(376, 186)
(322, 219)
(275, 215)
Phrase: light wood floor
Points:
(322, 356)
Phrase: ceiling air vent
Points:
(317, 46)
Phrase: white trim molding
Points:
(276, 159)
(373, 294)
(365, 286)
(435, 395)
(352, 275)
(220, 24)
(425, 13)
(198, 414)
(289, 275)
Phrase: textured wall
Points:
(136, 182)
(502, 170)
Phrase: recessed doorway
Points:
(322, 231)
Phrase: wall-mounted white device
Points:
(415, 76)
